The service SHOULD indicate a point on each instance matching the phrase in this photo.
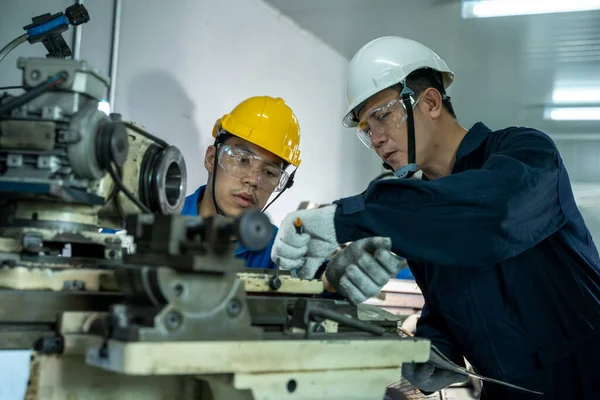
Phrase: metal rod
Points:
(77, 38)
(11, 46)
(349, 322)
(114, 56)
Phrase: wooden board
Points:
(404, 300)
(400, 310)
(401, 286)
(399, 297)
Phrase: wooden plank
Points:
(401, 286)
(399, 300)
(400, 310)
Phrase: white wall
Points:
(180, 68)
(587, 196)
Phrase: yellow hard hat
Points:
(266, 122)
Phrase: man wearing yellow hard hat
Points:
(254, 145)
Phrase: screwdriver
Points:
(298, 226)
(274, 282)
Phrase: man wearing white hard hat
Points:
(508, 269)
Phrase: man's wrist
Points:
(327, 286)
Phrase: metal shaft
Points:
(114, 57)
(350, 322)
(12, 45)
(77, 38)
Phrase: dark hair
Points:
(223, 136)
(426, 78)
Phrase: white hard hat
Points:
(385, 62)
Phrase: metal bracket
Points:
(33, 243)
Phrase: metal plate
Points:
(19, 134)
(23, 336)
(259, 283)
(267, 311)
(257, 356)
(50, 190)
(42, 307)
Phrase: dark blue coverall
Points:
(508, 269)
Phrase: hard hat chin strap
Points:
(214, 179)
(409, 169)
(288, 185)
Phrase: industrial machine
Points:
(174, 316)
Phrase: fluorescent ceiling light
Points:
(503, 8)
(573, 113)
(576, 95)
(104, 107)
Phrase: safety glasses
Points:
(382, 121)
(242, 163)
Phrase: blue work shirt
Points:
(406, 274)
(508, 269)
(253, 259)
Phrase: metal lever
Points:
(304, 312)
(274, 281)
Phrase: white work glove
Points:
(429, 378)
(304, 253)
(360, 270)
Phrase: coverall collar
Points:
(472, 140)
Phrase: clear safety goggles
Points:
(242, 163)
(382, 121)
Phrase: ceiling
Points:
(506, 68)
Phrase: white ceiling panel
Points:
(507, 68)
